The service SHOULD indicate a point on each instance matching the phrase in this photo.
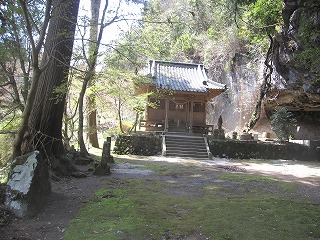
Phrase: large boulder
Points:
(28, 185)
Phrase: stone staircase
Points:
(185, 145)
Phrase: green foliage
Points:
(201, 30)
(115, 131)
(138, 145)
(5, 154)
(307, 58)
(185, 44)
(60, 92)
(307, 33)
(261, 17)
(126, 127)
(282, 123)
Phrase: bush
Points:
(138, 145)
(282, 123)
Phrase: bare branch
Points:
(28, 23)
(45, 24)
(8, 131)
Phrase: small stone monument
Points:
(219, 132)
(103, 168)
(220, 122)
(106, 151)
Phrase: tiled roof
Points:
(186, 77)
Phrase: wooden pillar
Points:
(146, 111)
(166, 121)
(188, 114)
(205, 114)
(191, 116)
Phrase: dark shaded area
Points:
(5, 215)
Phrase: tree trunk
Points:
(25, 71)
(119, 115)
(44, 130)
(83, 149)
(92, 122)
(36, 71)
(92, 114)
(263, 89)
(91, 61)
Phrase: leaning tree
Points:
(42, 118)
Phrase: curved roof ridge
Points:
(187, 77)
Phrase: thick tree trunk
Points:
(44, 128)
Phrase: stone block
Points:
(28, 185)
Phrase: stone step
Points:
(186, 140)
(195, 156)
(185, 145)
(189, 153)
(184, 135)
(189, 149)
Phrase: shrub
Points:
(282, 123)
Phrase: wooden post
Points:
(106, 156)
(166, 122)
(188, 113)
(191, 116)
(103, 167)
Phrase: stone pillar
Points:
(103, 167)
(106, 152)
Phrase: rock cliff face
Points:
(296, 59)
(243, 76)
(297, 48)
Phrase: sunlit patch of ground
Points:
(301, 171)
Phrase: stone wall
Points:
(146, 145)
(264, 150)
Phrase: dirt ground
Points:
(69, 194)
